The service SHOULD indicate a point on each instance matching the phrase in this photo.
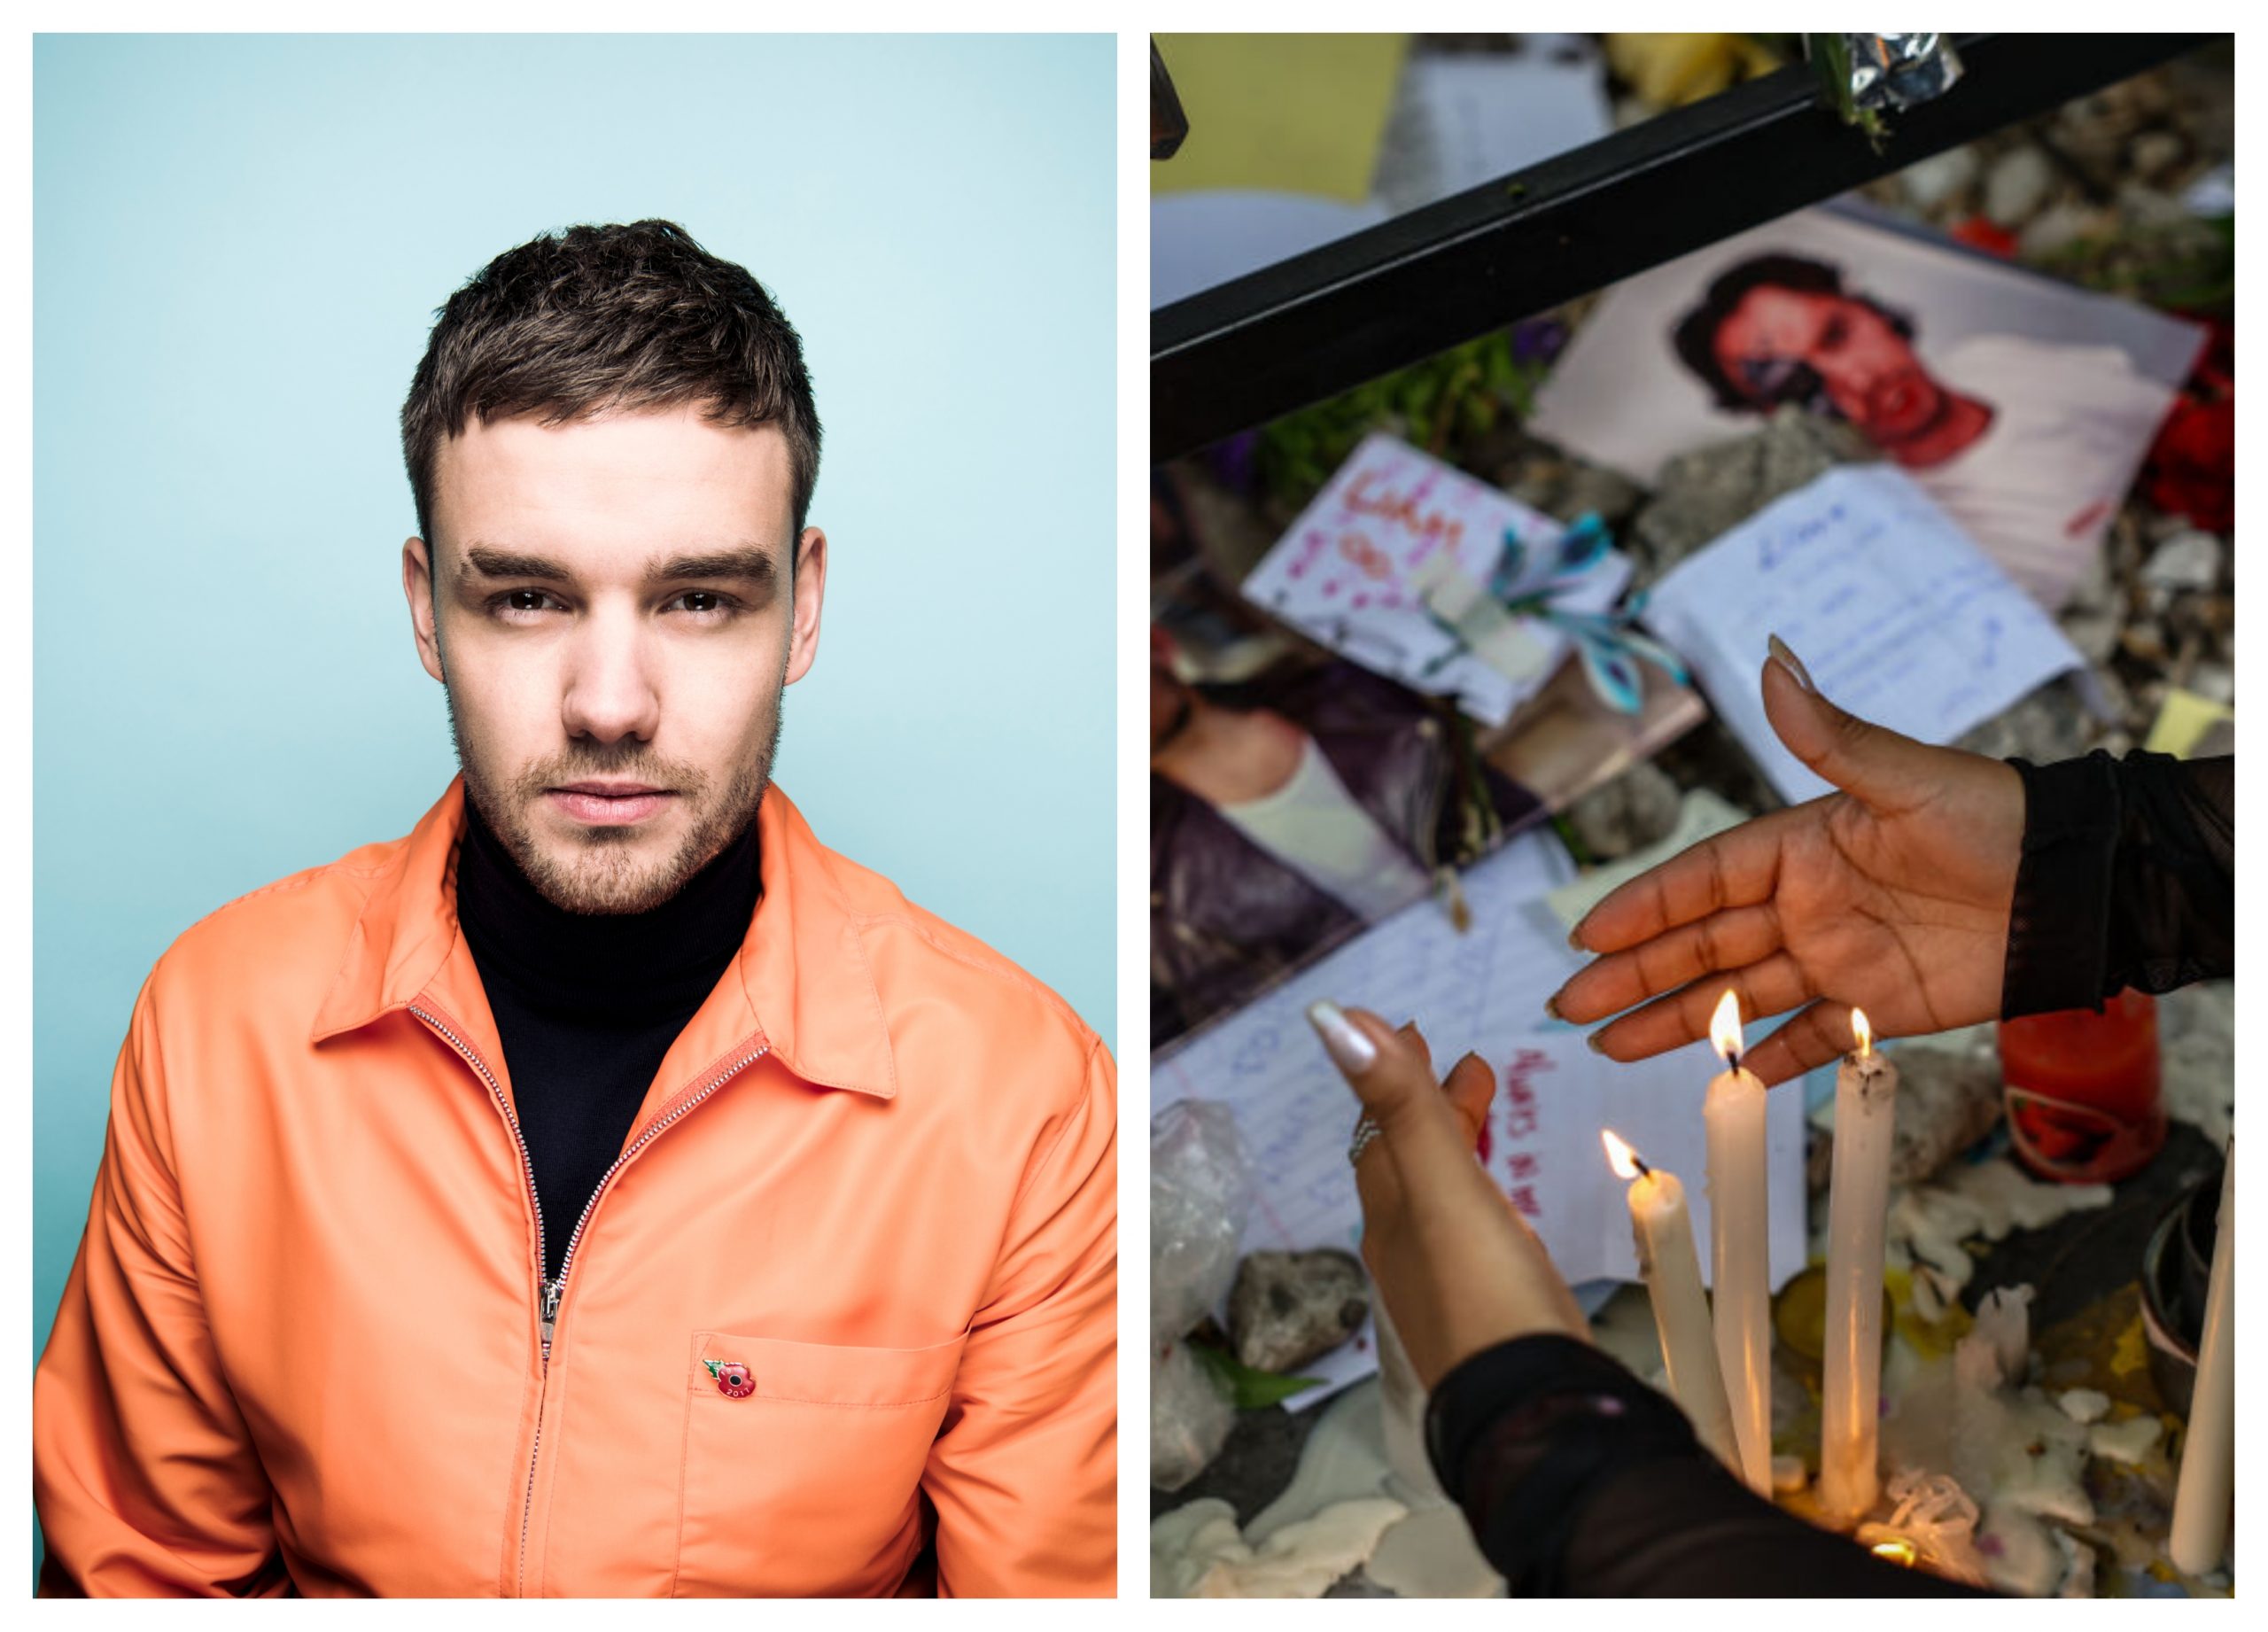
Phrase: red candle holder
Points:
(2082, 1089)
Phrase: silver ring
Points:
(1365, 1130)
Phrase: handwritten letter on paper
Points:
(1899, 617)
(1483, 989)
(1389, 567)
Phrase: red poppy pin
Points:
(733, 1379)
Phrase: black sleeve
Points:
(2127, 878)
(1580, 1480)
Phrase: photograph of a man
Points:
(606, 1188)
(2023, 406)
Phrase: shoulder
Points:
(277, 939)
(945, 992)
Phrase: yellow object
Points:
(2182, 719)
(1280, 113)
(2131, 1352)
(1670, 70)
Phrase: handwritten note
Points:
(1483, 989)
(1898, 615)
(1393, 537)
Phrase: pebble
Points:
(2127, 1441)
(2017, 185)
(2191, 559)
(1942, 177)
(1636, 809)
(2154, 153)
(2060, 225)
(1287, 1308)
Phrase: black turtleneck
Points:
(586, 1006)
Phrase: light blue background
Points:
(240, 243)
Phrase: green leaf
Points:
(1249, 1389)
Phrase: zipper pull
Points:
(550, 1313)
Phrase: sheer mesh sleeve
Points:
(1580, 1480)
(2127, 878)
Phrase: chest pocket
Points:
(803, 1464)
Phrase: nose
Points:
(610, 693)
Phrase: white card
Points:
(1395, 534)
(1897, 615)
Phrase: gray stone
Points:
(2190, 559)
(1940, 178)
(2017, 185)
(2060, 225)
(1288, 1307)
(1948, 1098)
(2047, 725)
(2094, 631)
(1611, 495)
(1702, 493)
(2154, 153)
(1634, 810)
(2216, 682)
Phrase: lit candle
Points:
(1740, 1278)
(2207, 1487)
(1865, 1095)
(1671, 1266)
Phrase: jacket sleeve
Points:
(2127, 880)
(144, 1475)
(1024, 1473)
(1578, 1480)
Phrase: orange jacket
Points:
(850, 1287)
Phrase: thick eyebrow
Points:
(488, 562)
(749, 562)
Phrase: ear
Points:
(417, 587)
(810, 591)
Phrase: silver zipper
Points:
(547, 1291)
(558, 1288)
(550, 1292)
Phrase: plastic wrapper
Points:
(1190, 1416)
(1200, 1192)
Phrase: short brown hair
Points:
(594, 319)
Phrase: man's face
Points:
(1869, 372)
(610, 609)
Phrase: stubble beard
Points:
(603, 878)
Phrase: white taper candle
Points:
(1866, 1097)
(1739, 1215)
(2203, 1495)
(1662, 1228)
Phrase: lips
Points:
(608, 805)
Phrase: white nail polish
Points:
(1348, 1048)
(1792, 664)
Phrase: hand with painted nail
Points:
(1892, 895)
(1459, 1269)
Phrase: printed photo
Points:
(2023, 406)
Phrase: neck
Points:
(1963, 419)
(620, 964)
(1231, 756)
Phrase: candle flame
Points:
(1724, 1028)
(1897, 1550)
(1619, 1156)
(1864, 1033)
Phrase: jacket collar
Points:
(801, 978)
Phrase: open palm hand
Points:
(1892, 895)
